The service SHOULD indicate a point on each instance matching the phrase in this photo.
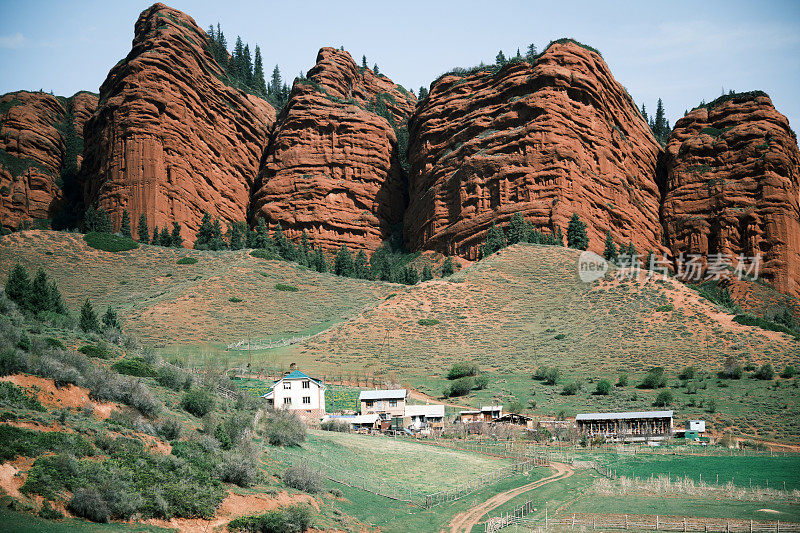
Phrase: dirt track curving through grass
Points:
(464, 522)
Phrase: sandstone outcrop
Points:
(733, 179)
(332, 168)
(36, 130)
(169, 138)
(558, 137)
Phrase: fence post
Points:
(656, 522)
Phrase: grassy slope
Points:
(507, 312)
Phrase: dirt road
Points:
(464, 522)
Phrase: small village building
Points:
(424, 417)
(385, 403)
(516, 419)
(361, 423)
(300, 393)
(695, 430)
(486, 413)
(631, 426)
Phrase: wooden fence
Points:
(520, 518)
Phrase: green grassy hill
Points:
(519, 309)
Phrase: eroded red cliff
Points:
(332, 167)
(733, 180)
(547, 140)
(169, 138)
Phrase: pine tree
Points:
(111, 320)
(448, 268)
(427, 273)
(518, 56)
(318, 261)
(56, 302)
(103, 221)
(258, 74)
(423, 93)
(18, 287)
(262, 240)
(237, 60)
(125, 225)
(517, 229)
(659, 124)
(143, 231)
(305, 249)
(576, 233)
(411, 276)
(361, 266)
(495, 240)
(88, 321)
(165, 239)
(205, 233)
(530, 55)
(276, 83)
(247, 66)
(39, 297)
(176, 241)
(90, 220)
(644, 113)
(375, 69)
(558, 237)
(285, 247)
(234, 236)
(343, 264)
(610, 252)
(500, 59)
(364, 61)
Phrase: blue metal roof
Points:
(296, 374)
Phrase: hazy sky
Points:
(683, 52)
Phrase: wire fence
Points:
(400, 492)
(521, 518)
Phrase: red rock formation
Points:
(548, 140)
(332, 166)
(33, 134)
(170, 139)
(733, 173)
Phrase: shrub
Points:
(711, 406)
(335, 425)
(264, 254)
(731, 370)
(571, 389)
(665, 308)
(654, 379)
(603, 387)
(284, 428)
(135, 366)
(234, 299)
(622, 381)
(239, 468)
(169, 428)
(460, 387)
(50, 342)
(663, 399)
(481, 382)
(89, 504)
(687, 373)
(551, 376)
(789, 371)
(187, 260)
(301, 477)
(174, 378)
(292, 519)
(427, 321)
(460, 370)
(286, 288)
(560, 336)
(108, 242)
(765, 372)
(49, 513)
(101, 351)
(198, 402)
(13, 396)
(769, 325)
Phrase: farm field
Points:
(772, 472)
(400, 462)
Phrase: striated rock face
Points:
(548, 140)
(169, 139)
(36, 141)
(332, 167)
(733, 173)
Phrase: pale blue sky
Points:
(683, 52)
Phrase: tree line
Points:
(245, 71)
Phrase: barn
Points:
(631, 426)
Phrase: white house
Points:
(696, 425)
(298, 392)
(425, 416)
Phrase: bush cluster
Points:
(654, 379)
(198, 402)
(300, 476)
(460, 370)
(549, 375)
(135, 366)
(292, 519)
(284, 428)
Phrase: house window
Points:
(306, 399)
(287, 384)
(287, 401)
(369, 403)
(306, 384)
(392, 403)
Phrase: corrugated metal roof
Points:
(425, 410)
(624, 416)
(486, 408)
(393, 394)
